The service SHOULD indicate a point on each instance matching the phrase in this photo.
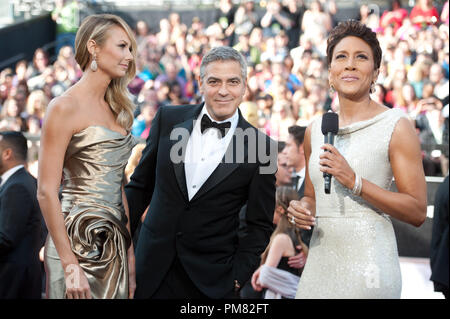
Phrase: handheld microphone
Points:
(330, 127)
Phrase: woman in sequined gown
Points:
(85, 146)
(353, 252)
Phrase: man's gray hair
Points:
(224, 53)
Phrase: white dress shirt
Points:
(205, 151)
(6, 175)
(301, 178)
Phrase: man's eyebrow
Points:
(213, 78)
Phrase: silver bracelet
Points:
(358, 185)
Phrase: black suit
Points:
(439, 240)
(201, 233)
(21, 238)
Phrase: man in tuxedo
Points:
(296, 159)
(201, 164)
(21, 233)
(295, 155)
(284, 172)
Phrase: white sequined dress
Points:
(353, 250)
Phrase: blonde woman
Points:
(86, 143)
(37, 104)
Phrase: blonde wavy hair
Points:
(95, 27)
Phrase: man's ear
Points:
(301, 149)
(200, 84)
(7, 154)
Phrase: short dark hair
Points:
(297, 133)
(17, 142)
(356, 29)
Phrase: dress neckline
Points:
(365, 123)
(102, 127)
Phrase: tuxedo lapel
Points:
(187, 124)
(228, 163)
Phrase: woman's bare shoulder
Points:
(65, 114)
(64, 105)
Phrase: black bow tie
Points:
(207, 123)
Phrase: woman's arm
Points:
(56, 134)
(410, 202)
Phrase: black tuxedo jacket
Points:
(21, 238)
(439, 239)
(202, 232)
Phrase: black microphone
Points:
(330, 127)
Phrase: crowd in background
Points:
(287, 71)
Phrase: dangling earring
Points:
(94, 63)
(332, 90)
(372, 88)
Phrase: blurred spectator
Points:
(171, 75)
(394, 16)
(284, 172)
(368, 17)
(21, 72)
(11, 120)
(6, 83)
(225, 18)
(316, 23)
(178, 29)
(439, 81)
(424, 14)
(66, 60)
(280, 119)
(142, 33)
(39, 64)
(275, 19)
(245, 18)
(37, 104)
(163, 36)
(294, 10)
(67, 17)
(143, 122)
(249, 108)
(444, 13)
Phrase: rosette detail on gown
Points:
(94, 214)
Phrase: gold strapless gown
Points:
(94, 215)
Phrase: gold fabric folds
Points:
(94, 215)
